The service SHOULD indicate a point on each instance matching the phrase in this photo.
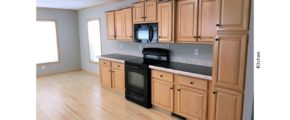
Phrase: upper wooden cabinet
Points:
(230, 57)
(228, 105)
(187, 13)
(110, 19)
(138, 12)
(128, 24)
(119, 24)
(150, 11)
(144, 12)
(165, 21)
(207, 20)
(233, 15)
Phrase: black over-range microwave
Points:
(146, 33)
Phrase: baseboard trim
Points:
(58, 73)
(90, 72)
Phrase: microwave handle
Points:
(150, 33)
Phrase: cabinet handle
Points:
(171, 88)
(217, 39)
(191, 82)
(178, 89)
(218, 25)
(118, 65)
(214, 92)
(161, 75)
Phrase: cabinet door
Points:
(119, 24)
(165, 21)
(162, 94)
(229, 61)
(150, 11)
(105, 75)
(128, 23)
(110, 19)
(228, 105)
(118, 79)
(207, 20)
(187, 20)
(138, 12)
(191, 103)
(233, 15)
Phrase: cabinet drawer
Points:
(118, 65)
(162, 75)
(103, 62)
(191, 82)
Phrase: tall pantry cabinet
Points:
(229, 60)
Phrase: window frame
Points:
(87, 21)
(57, 42)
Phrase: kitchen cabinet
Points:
(119, 24)
(118, 80)
(165, 21)
(128, 24)
(229, 61)
(207, 20)
(191, 103)
(183, 95)
(112, 75)
(105, 73)
(196, 21)
(110, 23)
(187, 13)
(228, 105)
(162, 94)
(233, 15)
(144, 11)
(150, 11)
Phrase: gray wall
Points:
(68, 40)
(249, 84)
(179, 52)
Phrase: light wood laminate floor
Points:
(79, 96)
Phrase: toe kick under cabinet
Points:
(182, 95)
(112, 75)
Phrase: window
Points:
(46, 42)
(94, 39)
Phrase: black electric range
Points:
(138, 75)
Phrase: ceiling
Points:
(70, 4)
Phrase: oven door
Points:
(137, 79)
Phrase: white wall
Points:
(68, 39)
(249, 84)
(179, 52)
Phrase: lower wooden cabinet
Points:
(105, 75)
(112, 75)
(228, 105)
(118, 80)
(190, 103)
(162, 94)
(183, 95)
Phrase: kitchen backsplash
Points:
(185, 53)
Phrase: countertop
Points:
(192, 70)
(119, 57)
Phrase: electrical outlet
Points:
(121, 46)
(196, 52)
(43, 67)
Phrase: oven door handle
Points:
(136, 67)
